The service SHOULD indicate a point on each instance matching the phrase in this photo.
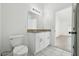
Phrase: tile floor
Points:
(53, 51)
(63, 42)
(50, 51)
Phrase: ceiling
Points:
(57, 6)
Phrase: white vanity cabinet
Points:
(43, 39)
(38, 37)
(38, 41)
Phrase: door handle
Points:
(72, 32)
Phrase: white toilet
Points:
(17, 43)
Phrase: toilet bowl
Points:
(20, 51)
(17, 43)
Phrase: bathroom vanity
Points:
(38, 39)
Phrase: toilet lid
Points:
(20, 49)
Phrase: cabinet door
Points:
(31, 42)
(37, 46)
(44, 40)
(47, 37)
(39, 41)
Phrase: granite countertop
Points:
(37, 30)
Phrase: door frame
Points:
(74, 17)
(76, 27)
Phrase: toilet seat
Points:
(20, 50)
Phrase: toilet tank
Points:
(16, 40)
